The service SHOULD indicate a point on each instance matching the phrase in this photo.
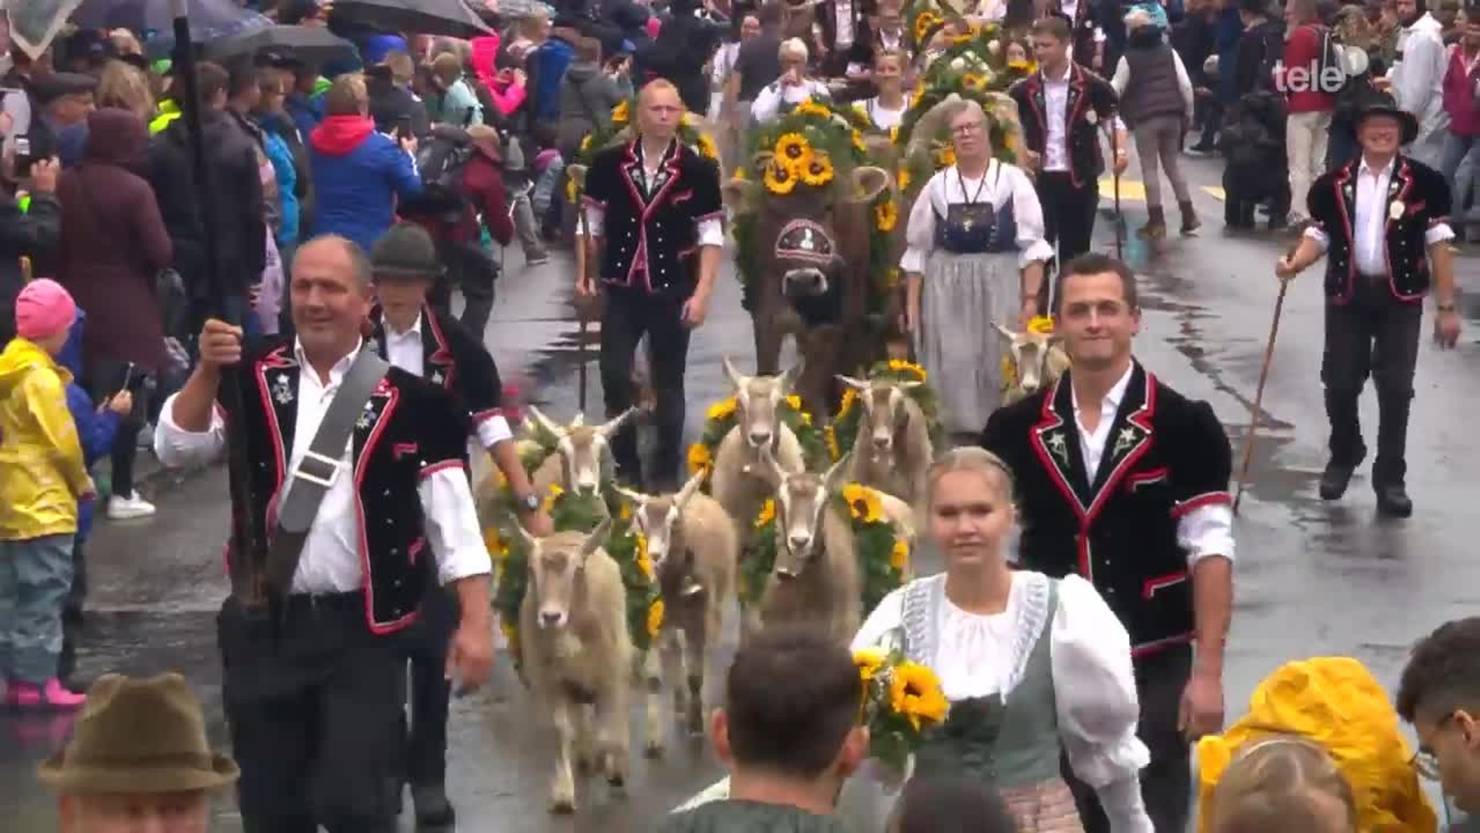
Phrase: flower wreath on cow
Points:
(841, 434)
(883, 555)
(811, 218)
(723, 416)
(570, 511)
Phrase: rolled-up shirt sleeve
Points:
(1206, 530)
(452, 525)
(1318, 236)
(177, 448)
(595, 218)
(1096, 701)
(1028, 213)
(919, 235)
(1438, 233)
(711, 232)
(493, 430)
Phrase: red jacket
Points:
(1303, 52)
(483, 186)
(1459, 95)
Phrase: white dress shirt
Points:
(406, 351)
(882, 117)
(1056, 105)
(1206, 530)
(998, 185)
(330, 562)
(1369, 225)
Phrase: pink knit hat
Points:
(43, 309)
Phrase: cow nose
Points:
(550, 618)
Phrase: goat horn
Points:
(735, 378)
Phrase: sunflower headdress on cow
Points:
(812, 149)
(618, 129)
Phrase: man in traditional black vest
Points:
(653, 206)
(314, 680)
(432, 345)
(1125, 482)
(1382, 219)
(1063, 107)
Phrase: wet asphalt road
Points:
(1313, 578)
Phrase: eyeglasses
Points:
(965, 129)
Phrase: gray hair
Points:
(792, 47)
(967, 105)
(359, 261)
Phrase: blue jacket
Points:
(95, 429)
(281, 157)
(307, 111)
(551, 60)
(357, 176)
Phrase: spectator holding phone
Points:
(33, 232)
(42, 478)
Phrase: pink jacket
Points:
(485, 57)
(1459, 95)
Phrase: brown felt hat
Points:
(138, 736)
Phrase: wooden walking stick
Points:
(1274, 331)
(1115, 172)
(582, 304)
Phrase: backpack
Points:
(440, 159)
(1330, 54)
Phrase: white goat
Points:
(892, 450)
(578, 654)
(582, 459)
(1040, 361)
(694, 549)
(741, 482)
(816, 577)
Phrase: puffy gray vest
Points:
(1152, 90)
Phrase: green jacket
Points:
(734, 816)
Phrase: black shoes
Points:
(1338, 476)
(1393, 501)
(433, 810)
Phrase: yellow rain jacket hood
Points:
(41, 468)
(1334, 702)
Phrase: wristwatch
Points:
(530, 502)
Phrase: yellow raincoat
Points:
(41, 468)
(1334, 702)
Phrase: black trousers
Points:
(1166, 784)
(426, 645)
(1068, 217)
(470, 269)
(314, 702)
(1376, 335)
(626, 317)
(105, 377)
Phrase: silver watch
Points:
(530, 502)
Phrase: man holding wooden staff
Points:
(1383, 219)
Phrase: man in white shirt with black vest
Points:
(1382, 220)
(314, 678)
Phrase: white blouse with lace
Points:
(999, 184)
(1094, 685)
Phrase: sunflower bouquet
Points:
(901, 701)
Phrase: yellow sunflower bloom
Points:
(1041, 325)
(624, 512)
(923, 24)
(1008, 371)
(805, 417)
(779, 180)
(863, 503)
(1025, 67)
(739, 173)
(586, 143)
(723, 409)
(899, 556)
(869, 661)
(830, 438)
(894, 134)
(973, 81)
(795, 401)
(850, 398)
(767, 514)
(655, 618)
(858, 141)
(904, 179)
(914, 692)
(495, 545)
(644, 561)
(886, 214)
(819, 171)
(792, 149)
(812, 107)
(699, 458)
(550, 499)
(621, 113)
(945, 157)
(571, 192)
(902, 366)
(707, 148)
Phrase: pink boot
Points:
(20, 694)
(51, 695)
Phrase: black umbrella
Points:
(209, 19)
(313, 44)
(453, 18)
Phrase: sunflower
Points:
(550, 499)
(624, 512)
(899, 556)
(850, 398)
(805, 417)
(812, 107)
(1008, 371)
(571, 192)
(496, 545)
(830, 437)
(793, 150)
(586, 143)
(1025, 67)
(886, 214)
(819, 171)
(706, 147)
(902, 366)
(973, 81)
(923, 24)
(904, 179)
(1041, 325)
(894, 134)
(739, 173)
(863, 503)
(699, 458)
(779, 179)
(621, 113)
(767, 513)
(644, 561)
(723, 409)
(511, 633)
(914, 693)
(869, 661)
(858, 141)
(795, 401)
(945, 157)
(655, 618)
